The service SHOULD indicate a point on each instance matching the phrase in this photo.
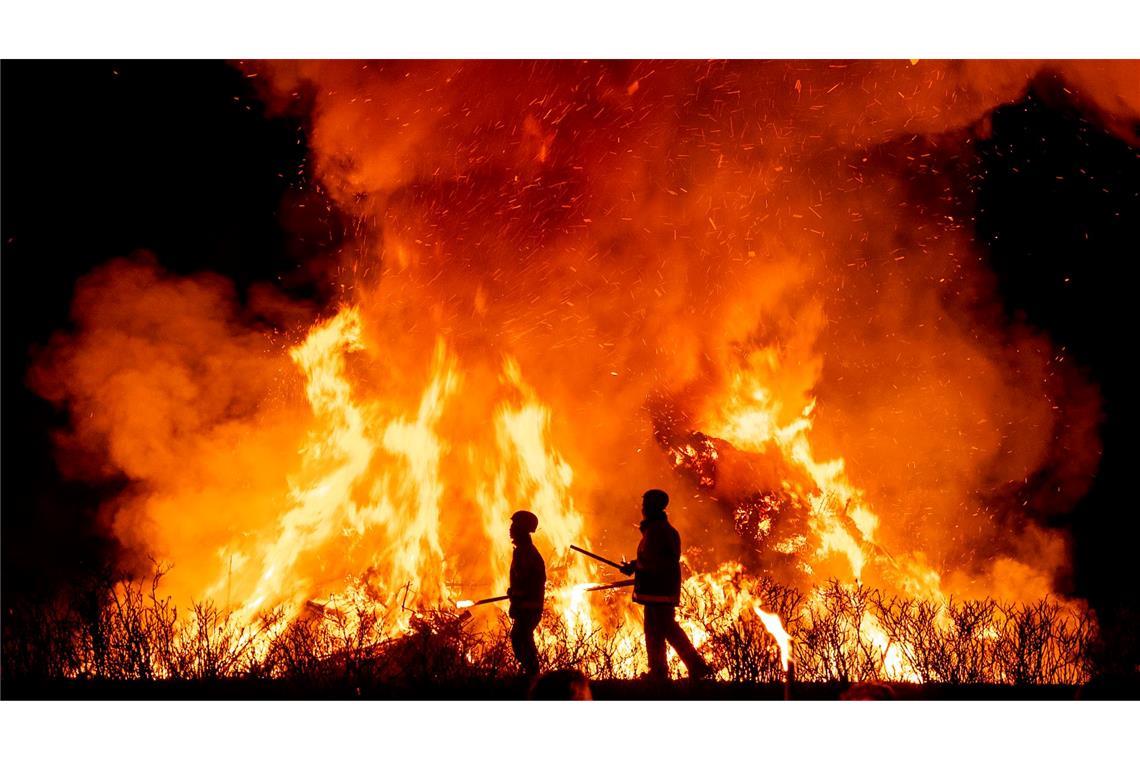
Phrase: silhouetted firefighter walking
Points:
(657, 586)
(527, 591)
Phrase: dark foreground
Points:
(246, 689)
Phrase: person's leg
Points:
(522, 641)
(516, 639)
(684, 648)
(519, 636)
(531, 647)
(655, 640)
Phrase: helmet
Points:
(655, 500)
(525, 520)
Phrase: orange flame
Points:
(772, 622)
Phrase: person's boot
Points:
(701, 672)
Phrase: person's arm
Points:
(512, 579)
(518, 575)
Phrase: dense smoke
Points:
(634, 238)
(170, 383)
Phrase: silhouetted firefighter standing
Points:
(527, 591)
(657, 586)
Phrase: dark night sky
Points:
(101, 159)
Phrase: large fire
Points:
(753, 285)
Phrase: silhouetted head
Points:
(562, 684)
(653, 503)
(523, 523)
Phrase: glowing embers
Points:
(696, 454)
(752, 517)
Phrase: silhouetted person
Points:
(657, 586)
(562, 684)
(527, 591)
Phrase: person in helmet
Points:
(527, 591)
(657, 586)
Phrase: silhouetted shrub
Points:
(843, 633)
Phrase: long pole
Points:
(603, 560)
(618, 584)
(465, 603)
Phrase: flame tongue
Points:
(772, 622)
